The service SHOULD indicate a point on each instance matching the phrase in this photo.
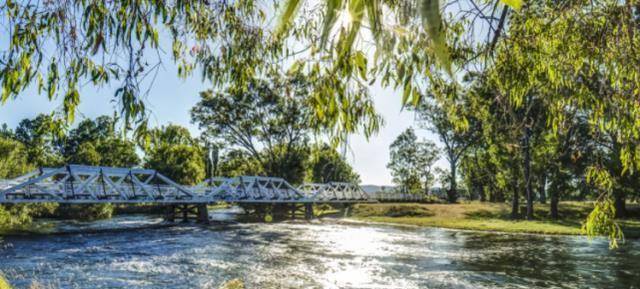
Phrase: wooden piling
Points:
(308, 211)
(170, 213)
(203, 214)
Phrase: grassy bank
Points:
(488, 217)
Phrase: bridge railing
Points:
(334, 191)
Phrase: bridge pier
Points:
(169, 213)
(308, 211)
(196, 212)
(203, 214)
(345, 211)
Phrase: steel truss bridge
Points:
(78, 184)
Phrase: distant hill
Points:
(373, 189)
(370, 189)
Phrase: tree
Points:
(169, 135)
(89, 131)
(443, 176)
(14, 162)
(14, 159)
(117, 152)
(97, 142)
(411, 161)
(181, 163)
(455, 140)
(428, 154)
(327, 165)
(6, 132)
(175, 154)
(41, 140)
(238, 162)
(268, 120)
(86, 154)
(479, 174)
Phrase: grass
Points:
(489, 217)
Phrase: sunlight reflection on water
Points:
(313, 255)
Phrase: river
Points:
(297, 254)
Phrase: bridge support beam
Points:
(187, 212)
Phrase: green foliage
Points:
(429, 12)
(117, 152)
(86, 154)
(578, 59)
(19, 216)
(289, 163)
(97, 142)
(13, 163)
(84, 212)
(121, 44)
(455, 132)
(169, 135)
(183, 164)
(601, 222)
(89, 131)
(81, 35)
(42, 140)
(6, 132)
(411, 162)
(268, 120)
(39, 142)
(13, 159)
(238, 163)
(327, 165)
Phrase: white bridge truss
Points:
(88, 184)
(334, 191)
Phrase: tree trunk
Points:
(543, 189)
(553, 194)
(527, 172)
(452, 194)
(619, 203)
(480, 190)
(515, 203)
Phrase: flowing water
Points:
(326, 254)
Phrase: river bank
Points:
(488, 217)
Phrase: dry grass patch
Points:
(486, 217)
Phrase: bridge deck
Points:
(77, 184)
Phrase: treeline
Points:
(171, 150)
(505, 152)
